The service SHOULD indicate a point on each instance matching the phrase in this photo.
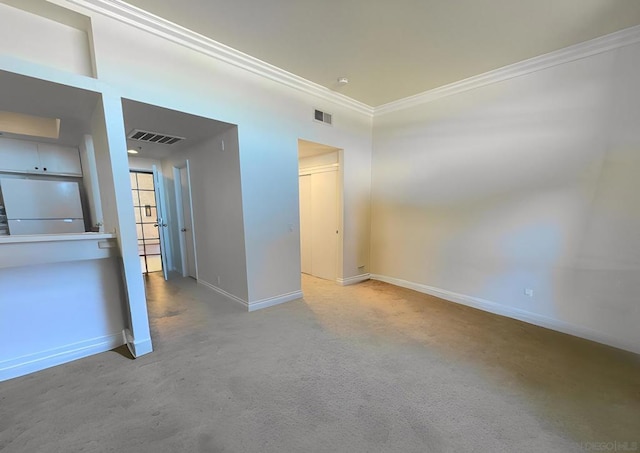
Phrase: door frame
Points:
(177, 188)
(161, 209)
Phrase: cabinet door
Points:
(58, 159)
(19, 155)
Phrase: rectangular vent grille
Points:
(153, 137)
(322, 117)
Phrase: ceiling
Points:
(194, 129)
(393, 49)
(73, 106)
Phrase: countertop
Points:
(16, 239)
(36, 249)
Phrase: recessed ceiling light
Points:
(132, 151)
(343, 81)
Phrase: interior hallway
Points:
(369, 367)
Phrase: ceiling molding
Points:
(585, 49)
(163, 28)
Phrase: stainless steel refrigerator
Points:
(35, 206)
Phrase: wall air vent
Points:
(153, 137)
(322, 117)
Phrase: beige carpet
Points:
(366, 368)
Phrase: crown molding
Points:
(143, 20)
(594, 46)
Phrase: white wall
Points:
(143, 163)
(54, 44)
(532, 183)
(271, 118)
(73, 309)
(217, 211)
(319, 160)
(110, 149)
(90, 181)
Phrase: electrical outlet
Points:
(528, 292)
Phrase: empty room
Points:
(318, 226)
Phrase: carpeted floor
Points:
(366, 368)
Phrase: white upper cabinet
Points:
(21, 156)
(63, 160)
(18, 155)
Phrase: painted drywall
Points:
(217, 211)
(270, 118)
(526, 183)
(53, 43)
(319, 160)
(143, 163)
(90, 181)
(73, 308)
(109, 143)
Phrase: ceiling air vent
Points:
(153, 137)
(322, 117)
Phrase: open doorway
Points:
(148, 221)
(196, 166)
(320, 185)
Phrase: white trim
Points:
(143, 20)
(21, 366)
(136, 347)
(585, 49)
(141, 347)
(259, 304)
(271, 301)
(163, 230)
(193, 220)
(353, 280)
(242, 302)
(510, 312)
(177, 194)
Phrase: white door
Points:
(161, 221)
(183, 204)
(324, 219)
(305, 224)
(319, 224)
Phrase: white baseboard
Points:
(271, 301)
(136, 347)
(353, 280)
(20, 366)
(242, 302)
(511, 312)
(259, 304)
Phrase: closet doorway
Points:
(320, 204)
